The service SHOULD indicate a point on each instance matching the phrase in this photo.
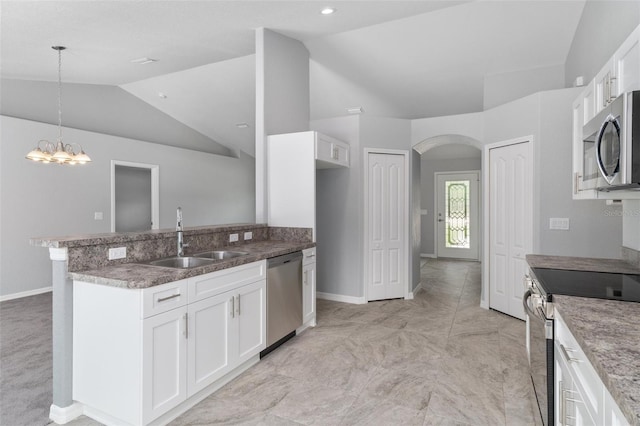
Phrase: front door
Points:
(457, 215)
(386, 211)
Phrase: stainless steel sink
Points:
(220, 254)
(181, 262)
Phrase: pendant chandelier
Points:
(58, 152)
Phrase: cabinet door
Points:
(309, 293)
(604, 89)
(164, 362)
(250, 315)
(627, 62)
(209, 327)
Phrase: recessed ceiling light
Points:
(242, 125)
(143, 61)
(355, 110)
(328, 10)
(162, 95)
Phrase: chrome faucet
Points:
(181, 243)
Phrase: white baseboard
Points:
(341, 298)
(25, 293)
(430, 255)
(63, 415)
(417, 289)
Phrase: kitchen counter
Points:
(581, 264)
(139, 275)
(608, 332)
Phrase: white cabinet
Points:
(309, 287)
(580, 395)
(620, 74)
(292, 160)
(141, 353)
(164, 363)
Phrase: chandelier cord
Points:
(60, 94)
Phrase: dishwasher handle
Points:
(285, 258)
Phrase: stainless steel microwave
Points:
(611, 146)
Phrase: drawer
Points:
(162, 298)
(584, 375)
(309, 256)
(212, 284)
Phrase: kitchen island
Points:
(101, 300)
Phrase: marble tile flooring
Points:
(438, 359)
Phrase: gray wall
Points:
(339, 209)
(604, 25)
(427, 169)
(51, 200)
(282, 98)
(414, 226)
(103, 109)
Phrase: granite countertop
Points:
(608, 332)
(139, 275)
(582, 264)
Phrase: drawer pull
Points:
(173, 296)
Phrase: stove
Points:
(541, 285)
(598, 285)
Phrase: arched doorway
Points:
(449, 191)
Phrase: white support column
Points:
(63, 408)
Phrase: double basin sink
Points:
(198, 259)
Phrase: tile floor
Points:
(436, 360)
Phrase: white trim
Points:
(155, 191)
(417, 289)
(407, 209)
(63, 415)
(341, 298)
(429, 255)
(28, 293)
(479, 207)
(59, 254)
(484, 295)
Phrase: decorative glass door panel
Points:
(457, 211)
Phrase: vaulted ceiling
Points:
(404, 59)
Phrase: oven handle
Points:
(525, 303)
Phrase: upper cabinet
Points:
(620, 74)
(292, 160)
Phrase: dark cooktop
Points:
(599, 285)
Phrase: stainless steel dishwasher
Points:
(284, 298)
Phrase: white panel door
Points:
(386, 227)
(164, 362)
(251, 305)
(510, 225)
(457, 210)
(209, 334)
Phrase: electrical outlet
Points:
(248, 235)
(97, 215)
(233, 238)
(559, 223)
(117, 253)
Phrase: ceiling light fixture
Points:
(58, 152)
(355, 110)
(143, 61)
(328, 10)
(242, 125)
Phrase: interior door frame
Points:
(155, 191)
(486, 208)
(478, 173)
(407, 201)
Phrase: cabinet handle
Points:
(233, 306)
(576, 183)
(186, 326)
(173, 296)
(566, 351)
(309, 256)
(238, 305)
